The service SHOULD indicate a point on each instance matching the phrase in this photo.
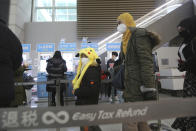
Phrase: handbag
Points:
(118, 79)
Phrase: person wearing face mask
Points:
(187, 62)
(87, 82)
(136, 56)
(110, 65)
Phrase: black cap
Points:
(189, 24)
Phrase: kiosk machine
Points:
(168, 63)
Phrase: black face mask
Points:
(185, 34)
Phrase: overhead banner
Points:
(67, 47)
(90, 45)
(26, 48)
(50, 47)
(113, 46)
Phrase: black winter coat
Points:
(88, 93)
(10, 61)
(189, 53)
(56, 69)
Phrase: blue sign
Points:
(26, 47)
(113, 46)
(46, 47)
(67, 47)
(91, 45)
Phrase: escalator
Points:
(162, 20)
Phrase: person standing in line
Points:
(110, 66)
(10, 61)
(187, 62)
(87, 82)
(56, 68)
(136, 56)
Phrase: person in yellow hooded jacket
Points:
(136, 55)
(87, 82)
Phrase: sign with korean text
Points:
(58, 117)
(67, 47)
(113, 46)
(50, 47)
(26, 48)
(90, 45)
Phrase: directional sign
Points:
(67, 47)
(113, 46)
(50, 47)
(26, 47)
(91, 45)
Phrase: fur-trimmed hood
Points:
(139, 32)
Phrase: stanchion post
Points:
(157, 95)
(58, 92)
(113, 90)
(58, 99)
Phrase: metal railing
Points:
(69, 116)
(50, 117)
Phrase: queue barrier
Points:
(70, 116)
(51, 82)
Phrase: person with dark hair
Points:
(110, 66)
(56, 68)
(110, 62)
(10, 61)
(187, 62)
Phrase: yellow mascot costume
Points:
(93, 57)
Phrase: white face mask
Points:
(122, 28)
(84, 61)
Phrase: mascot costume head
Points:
(93, 60)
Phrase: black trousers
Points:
(62, 90)
(110, 90)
